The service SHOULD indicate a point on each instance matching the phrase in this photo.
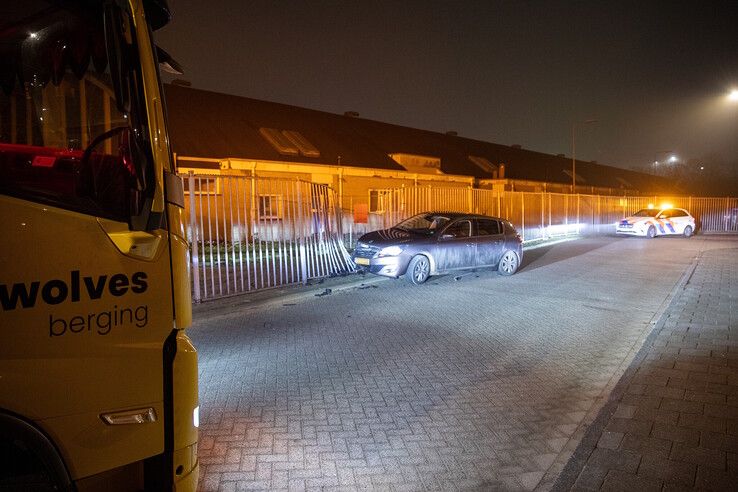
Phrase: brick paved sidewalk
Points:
(672, 421)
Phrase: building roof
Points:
(213, 125)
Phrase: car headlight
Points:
(390, 251)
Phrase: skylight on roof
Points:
(289, 142)
(303, 144)
(580, 179)
(279, 141)
(484, 164)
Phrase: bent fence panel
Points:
(249, 233)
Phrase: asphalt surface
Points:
(470, 381)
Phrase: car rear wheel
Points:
(418, 270)
(651, 233)
(509, 263)
(688, 231)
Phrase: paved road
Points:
(671, 423)
(477, 382)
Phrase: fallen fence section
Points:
(249, 233)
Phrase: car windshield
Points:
(646, 212)
(423, 223)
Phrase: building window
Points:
(270, 207)
(202, 185)
(378, 200)
(289, 142)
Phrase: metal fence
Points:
(249, 233)
(545, 215)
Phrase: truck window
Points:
(65, 139)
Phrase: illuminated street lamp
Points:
(656, 161)
(573, 151)
(733, 95)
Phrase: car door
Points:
(680, 219)
(666, 223)
(489, 242)
(456, 246)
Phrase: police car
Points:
(651, 222)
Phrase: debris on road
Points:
(326, 292)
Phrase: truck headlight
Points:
(390, 251)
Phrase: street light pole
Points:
(573, 154)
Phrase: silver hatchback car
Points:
(437, 242)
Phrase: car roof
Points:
(661, 209)
(459, 215)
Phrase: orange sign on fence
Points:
(361, 213)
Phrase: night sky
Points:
(653, 74)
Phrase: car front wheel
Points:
(509, 263)
(651, 233)
(418, 270)
(688, 231)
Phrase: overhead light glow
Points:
(650, 205)
(733, 95)
(666, 205)
(673, 158)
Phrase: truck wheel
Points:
(30, 461)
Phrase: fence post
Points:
(470, 200)
(522, 212)
(195, 260)
(578, 216)
(543, 211)
(727, 213)
(301, 239)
